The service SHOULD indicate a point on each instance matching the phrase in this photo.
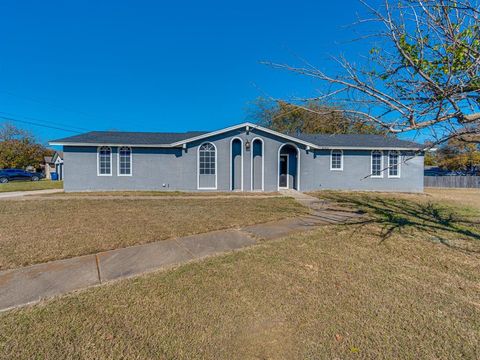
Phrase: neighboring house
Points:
(244, 157)
(53, 164)
(57, 160)
(48, 167)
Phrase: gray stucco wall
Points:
(176, 169)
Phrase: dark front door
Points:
(283, 181)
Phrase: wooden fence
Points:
(458, 181)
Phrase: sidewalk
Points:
(31, 284)
(16, 194)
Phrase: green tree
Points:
(19, 148)
(459, 156)
(430, 159)
(422, 73)
(313, 118)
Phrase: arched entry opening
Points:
(257, 164)
(288, 165)
(236, 164)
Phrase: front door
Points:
(283, 172)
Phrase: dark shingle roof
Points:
(123, 137)
(57, 154)
(357, 140)
(164, 138)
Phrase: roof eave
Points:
(235, 127)
(385, 148)
(56, 143)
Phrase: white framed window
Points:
(377, 164)
(336, 160)
(124, 163)
(393, 164)
(207, 159)
(104, 161)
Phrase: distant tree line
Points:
(313, 118)
(20, 149)
(456, 155)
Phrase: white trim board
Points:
(382, 170)
(198, 167)
(98, 161)
(231, 162)
(118, 161)
(288, 166)
(399, 162)
(341, 160)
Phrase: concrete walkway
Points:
(31, 284)
(19, 194)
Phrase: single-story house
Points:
(52, 164)
(244, 157)
(57, 160)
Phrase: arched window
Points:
(207, 163)
(124, 161)
(336, 160)
(377, 164)
(104, 161)
(394, 164)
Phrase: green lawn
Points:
(403, 284)
(30, 185)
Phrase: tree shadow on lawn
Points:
(442, 224)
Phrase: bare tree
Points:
(422, 74)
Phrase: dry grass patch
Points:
(403, 284)
(163, 193)
(434, 215)
(36, 231)
(339, 292)
(30, 185)
(459, 197)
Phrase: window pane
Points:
(393, 162)
(125, 159)
(376, 163)
(336, 159)
(104, 165)
(207, 159)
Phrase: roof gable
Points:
(248, 126)
(57, 154)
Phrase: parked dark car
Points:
(7, 175)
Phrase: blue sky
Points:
(158, 65)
